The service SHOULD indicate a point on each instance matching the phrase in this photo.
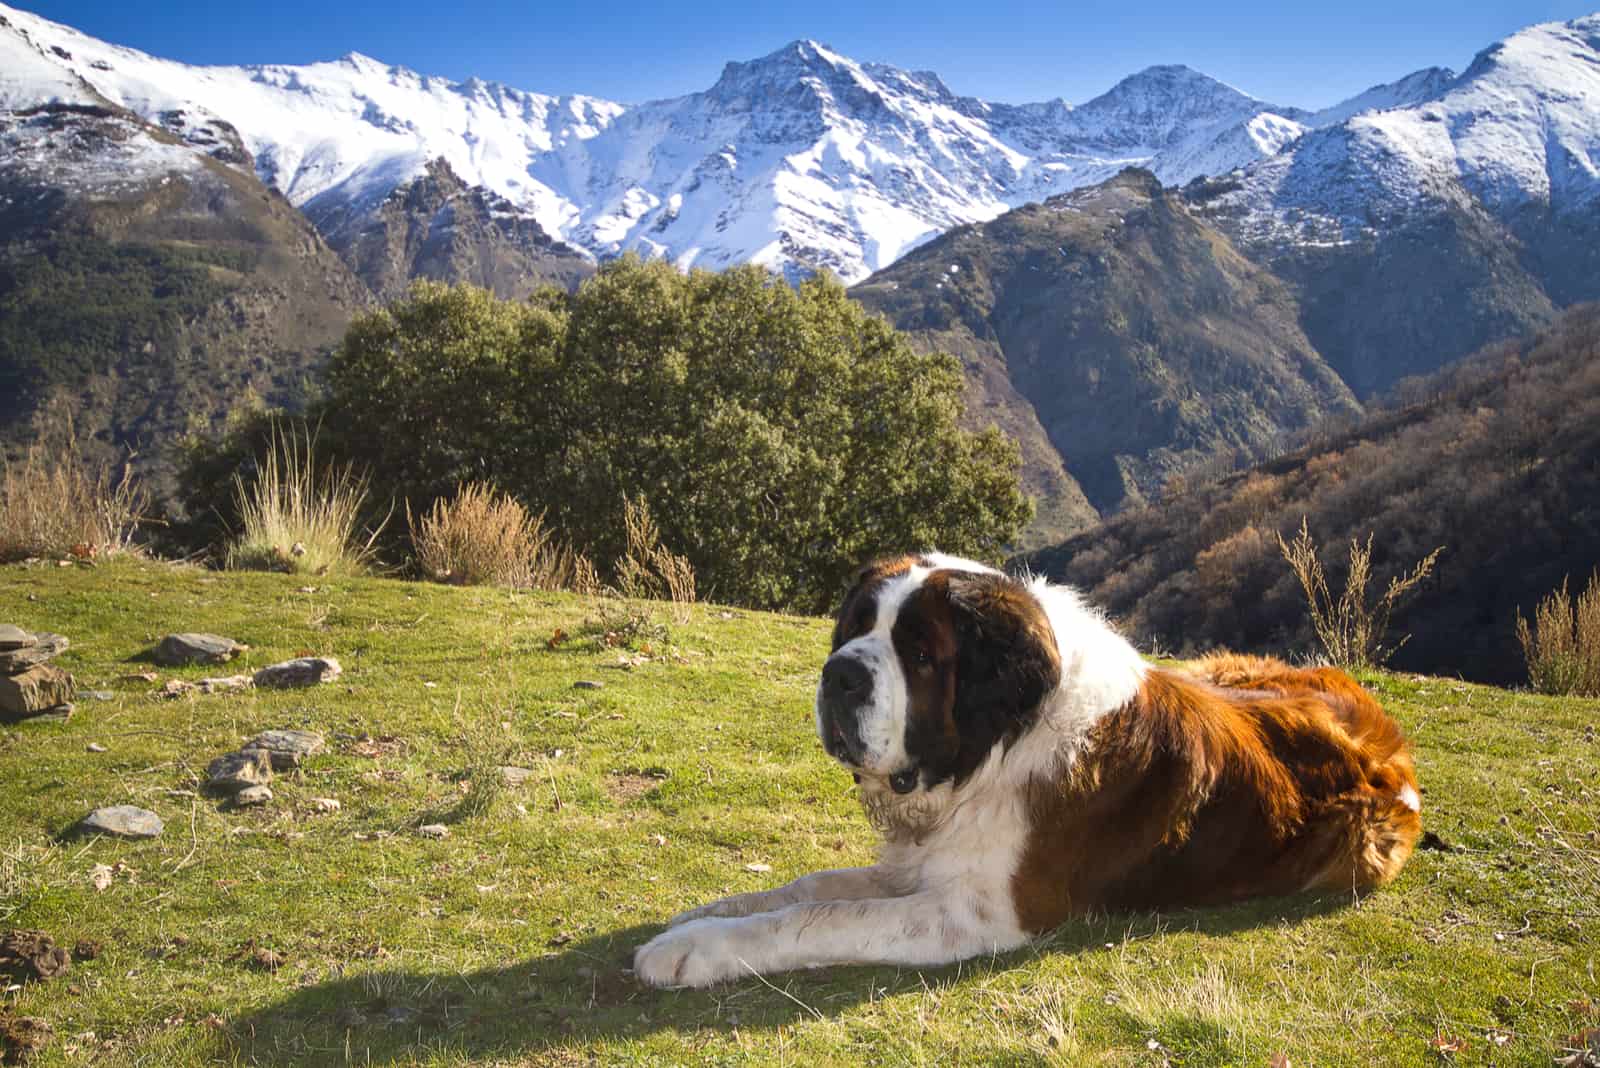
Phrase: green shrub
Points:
(780, 434)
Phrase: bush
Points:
(780, 434)
(484, 536)
(297, 519)
(54, 503)
(1562, 647)
(1350, 630)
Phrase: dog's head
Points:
(936, 661)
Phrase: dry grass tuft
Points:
(648, 570)
(55, 503)
(299, 519)
(1350, 629)
(1562, 646)
(482, 536)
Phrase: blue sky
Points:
(1289, 53)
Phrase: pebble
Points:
(95, 747)
(326, 804)
(515, 776)
(300, 672)
(434, 830)
(126, 821)
(253, 795)
(100, 695)
(588, 684)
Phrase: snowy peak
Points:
(1415, 88)
(1160, 106)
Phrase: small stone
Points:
(225, 683)
(124, 821)
(515, 776)
(40, 688)
(176, 650)
(100, 695)
(95, 747)
(266, 959)
(303, 671)
(326, 804)
(253, 795)
(588, 684)
(86, 949)
(42, 647)
(287, 748)
(434, 830)
(232, 772)
(14, 637)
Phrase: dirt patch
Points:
(626, 786)
(26, 955)
(21, 1037)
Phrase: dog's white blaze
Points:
(1409, 798)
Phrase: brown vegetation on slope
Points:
(1497, 459)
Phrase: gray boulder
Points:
(287, 748)
(232, 772)
(39, 648)
(301, 672)
(124, 821)
(177, 650)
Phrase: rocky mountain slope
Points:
(1116, 333)
(1497, 460)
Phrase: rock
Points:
(326, 804)
(304, 671)
(253, 795)
(21, 1037)
(86, 949)
(40, 688)
(434, 830)
(42, 647)
(515, 776)
(588, 684)
(226, 682)
(287, 748)
(232, 772)
(176, 650)
(125, 821)
(26, 955)
(95, 747)
(14, 637)
(100, 695)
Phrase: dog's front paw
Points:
(697, 953)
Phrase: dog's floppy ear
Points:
(1007, 659)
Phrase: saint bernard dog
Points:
(1025, 765)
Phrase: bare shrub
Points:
(56, 503)
(648, 570)
(298, 519)
(1350, 629)
(1562, 646)
(482, 535)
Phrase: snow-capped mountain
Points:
(801, 159)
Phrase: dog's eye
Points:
(922, 658)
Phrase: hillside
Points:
(145, 286)
(285, 935)
(1497, 460)
(1117, 334)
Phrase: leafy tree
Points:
(779, 434)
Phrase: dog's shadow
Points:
(583, 992)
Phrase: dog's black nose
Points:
(846, 677)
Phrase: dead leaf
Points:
(555, 640)
(1442, 1043)
(1279, 1060)
(758, 867)
(100, 876)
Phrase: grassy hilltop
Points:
(283, 935)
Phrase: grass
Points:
(506, 942)
(1562, 647)
(58, 504)
(299, 519)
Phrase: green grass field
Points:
(507, 942)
